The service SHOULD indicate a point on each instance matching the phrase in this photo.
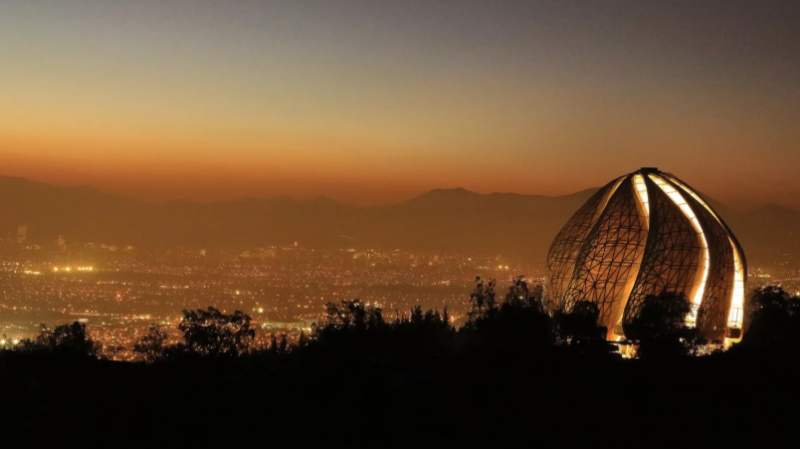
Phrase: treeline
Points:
(520, 324)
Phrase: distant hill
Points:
(441, 220)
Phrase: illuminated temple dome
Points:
(643, 234)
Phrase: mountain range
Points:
(440, 220)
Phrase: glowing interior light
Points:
(736, 313)
(696, 197)
(705, 260)
(641, 189)
(737, 300)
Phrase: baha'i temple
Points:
(646, 233)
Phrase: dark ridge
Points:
(440, 220)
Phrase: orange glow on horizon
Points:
(140, 101)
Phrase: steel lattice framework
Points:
(565, 249)
(642, 234)
(672, 255)
(608, 255)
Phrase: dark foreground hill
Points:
(513, 375)
(440, 220)
(457, 401)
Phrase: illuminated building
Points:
(643, 234)
(62, 242)
(22, 233)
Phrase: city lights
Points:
(69, 269)
(284, 289)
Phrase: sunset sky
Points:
(372, 102)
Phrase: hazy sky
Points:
(376, 101)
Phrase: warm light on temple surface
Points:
(705, 261)
(736, 314)
(641, 189)
(638, 244)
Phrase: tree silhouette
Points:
(659, 330)
(578, 330)
(482, 298)
(426, 332)
(278, 348)
(303, 340)
(518, 292)
(423, 322)
(211, 332)
(358, 332)
(353, 316)
(350, 330)
(519, 324)
(66, 339)
(775, 318)
(151, 345)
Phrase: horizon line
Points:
(323, 196)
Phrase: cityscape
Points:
(119, 291)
